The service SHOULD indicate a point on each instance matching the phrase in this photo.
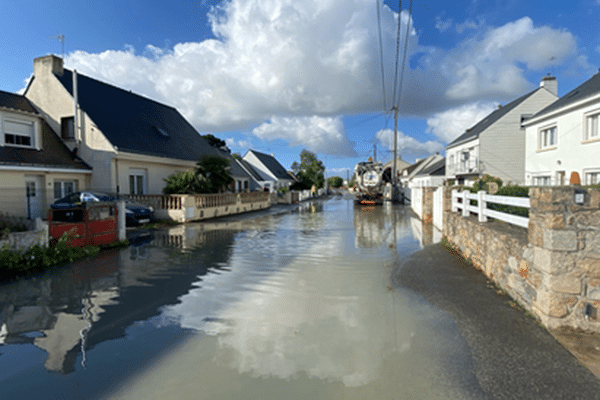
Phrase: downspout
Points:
(76, 132)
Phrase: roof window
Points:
(160, 131)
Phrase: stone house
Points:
(563, 139)
(36, 167)
(132, 143)
(496, 144)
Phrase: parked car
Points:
(135, 213)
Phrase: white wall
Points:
(571, 153)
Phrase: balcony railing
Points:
(470, 166)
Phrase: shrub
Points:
(514, 191)
(15, 263)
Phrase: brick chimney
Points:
(45, 65)
(549, 83)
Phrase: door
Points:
(33, 197)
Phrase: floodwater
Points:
(290, 306)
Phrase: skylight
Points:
(160, 131)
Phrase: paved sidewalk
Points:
(513, 357)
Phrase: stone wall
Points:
(26, 240)
(553, 267)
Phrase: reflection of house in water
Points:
(376, 225)
(426, 234)
(68, 312)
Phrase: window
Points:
(547, 138)
(451, 161)
(541, 181)
(592, 178)
(64, 188)
(137, 181)
(591, 127)
(67, 128)
(18, 133)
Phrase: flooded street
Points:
(291, 306)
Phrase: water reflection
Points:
(426, 234)
(304, 301)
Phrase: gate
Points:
(438, 209)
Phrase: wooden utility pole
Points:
(394, 173)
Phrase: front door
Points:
(33, 197)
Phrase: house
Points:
(496, 144)
(388, 166)
(132, 143)
(409, 173)
(268, 173)
(36, 166)
(433, 175)
(563, 139)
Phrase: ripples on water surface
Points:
(280, 307)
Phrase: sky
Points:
(280, 76)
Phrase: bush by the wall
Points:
(39, 258)
(513, 191)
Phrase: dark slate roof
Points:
(485, 123)
(250, 170)
(272, 164)
(54, 153)
(136, 124)
(587, 89)
(435, 169)
(17, 102)
(235, 169)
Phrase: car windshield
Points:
(103, 196)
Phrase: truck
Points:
(369, 182)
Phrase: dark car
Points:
(135, 213)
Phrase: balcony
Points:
(465, 167)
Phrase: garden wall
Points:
(553, 267)
(26, 240)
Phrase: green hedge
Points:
(14, 263)
(513, 191)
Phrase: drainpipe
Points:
(75, 111)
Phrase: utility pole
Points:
(394, 173)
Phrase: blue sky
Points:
(280, 76)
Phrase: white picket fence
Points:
(460, 201)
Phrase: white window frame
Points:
(63, 184)
(544, 137)
(546, 180)
(32, 135)
(591, 176)
(136, 174)
(591, 131)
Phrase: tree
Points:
(237, 156)
(182, 183)
(214, 174)
(215, 141)
(310, 171)
(335, 181)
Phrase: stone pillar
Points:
(121, 220)
(565, 238)
(427, 204)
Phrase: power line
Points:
(404, 56)
(397, 49)
(381, 53)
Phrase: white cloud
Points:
(324, 135)
(408, 145)
(313, 60)
(491, 67)
(450, 124)
(469, 24)
(231, 142)
(442, 25)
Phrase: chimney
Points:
(49, 64)
(549, 83)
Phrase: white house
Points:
(132, 142)
(266, 171)
(496, 144)
(431, 176)
(563, 139)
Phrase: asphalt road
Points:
(512, 356)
